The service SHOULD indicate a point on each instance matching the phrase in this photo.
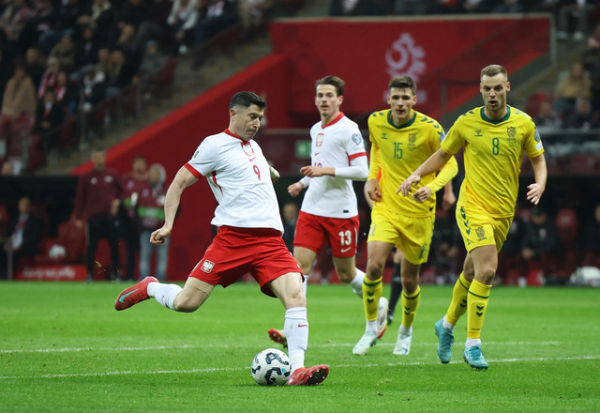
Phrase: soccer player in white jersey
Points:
(329, 210)
(249, 234)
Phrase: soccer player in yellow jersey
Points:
(494, 137)
(401, 139)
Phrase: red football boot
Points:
(134, 294)
(277, 337)
(309, 376)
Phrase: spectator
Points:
(13, 19)
(49, 116)
(103, 63)
(290, 217)
(127, 42)
(149, 71)
(25, 235)
(152, 215)
(582, 118)
(103, 19)
(155, 26)
(546, 118)
(182, 20)
(19, 96)
(213, 17)
(576, 85)
(589, 244)
(65, 94)
(132, 12)
(541, 242)
(40, 26)
(49, 77)
(133, 184)
(86, 49)
(34, 66)
(92, 90)
(97, 202)
(251, 13)
(64, 51)
(120, 73)
(153, 60)
(574, 11)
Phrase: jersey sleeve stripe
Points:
(356, 155)
(192, 170)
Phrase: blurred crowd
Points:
(122, 208)
(61, 58)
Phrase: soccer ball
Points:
(271, 367)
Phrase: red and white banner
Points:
(367, 53)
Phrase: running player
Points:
(249, 234)
(401, 139)
(329, 210)
(494, 137)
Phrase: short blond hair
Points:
(493, 70)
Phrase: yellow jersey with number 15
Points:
(492, 155)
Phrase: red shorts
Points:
(341, 233)
(235, 251)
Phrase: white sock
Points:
(295, 328)
(357, 282)
(447, 325)
(472, 342)
(405, 331)
(371, 326)
(164, 293)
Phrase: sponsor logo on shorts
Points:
(207, 266)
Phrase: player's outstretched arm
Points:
(433, 163)
(540, 171)
(182, 180)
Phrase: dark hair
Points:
(247, 99)
(493, 70)
(403, 82)
(334, 81)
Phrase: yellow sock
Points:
(477, 302)
(410, 303)
(371, 293)
(458, 305)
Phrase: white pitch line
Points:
(237, 346)
(215, 369)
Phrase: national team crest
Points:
(412, 138)
(207, 266)
(247, 147)
(511, 132)
(320, 137)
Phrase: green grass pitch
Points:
(63, 348)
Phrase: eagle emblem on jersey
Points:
(320, 137)
(248, 150)
(207, 266)
(511, 131)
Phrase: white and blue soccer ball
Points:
(271, 367)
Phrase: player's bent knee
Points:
(374, 270)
